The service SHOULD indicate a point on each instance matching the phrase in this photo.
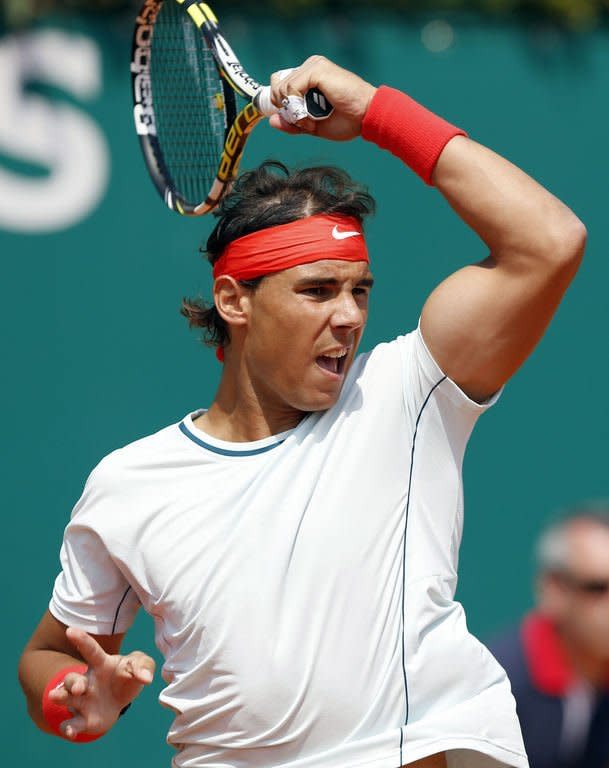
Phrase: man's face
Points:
(579, 600)
(304, 327)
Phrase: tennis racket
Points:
(186, 82)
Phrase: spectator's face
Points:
(579, 601)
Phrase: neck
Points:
(240, 413)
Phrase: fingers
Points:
(138, 666)
(76, 684)
(299, 80)
(278, 122)
(90, 650)
(276, 78)
(72, 727)
(90, 724)
(73, 686)
(347, 92)
(71, 694)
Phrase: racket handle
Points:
(314, 105)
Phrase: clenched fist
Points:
(348, 94)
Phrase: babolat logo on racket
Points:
(143, 112)
(242, 75)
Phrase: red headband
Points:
(283, 246)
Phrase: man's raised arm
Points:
(484, 320)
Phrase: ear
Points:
(231, 300)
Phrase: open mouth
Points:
(334, 362)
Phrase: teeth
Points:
(341, 353)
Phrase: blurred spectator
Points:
(558, 658)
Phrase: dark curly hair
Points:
(265, 197)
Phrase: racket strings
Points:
(188, 103)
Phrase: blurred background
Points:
(95, 266)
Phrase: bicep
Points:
(50, 635)
(483, 321)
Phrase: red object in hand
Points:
(55, 714)
(408, 130)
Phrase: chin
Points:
(311, 393)
(321, 402)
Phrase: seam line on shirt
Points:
(118, 609)
(412, 450)
(225, 451)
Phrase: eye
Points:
(318, 291)
(361, 294)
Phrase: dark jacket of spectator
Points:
(565, 721)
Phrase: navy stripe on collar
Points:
(225, 451)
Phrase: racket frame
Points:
(234, 79)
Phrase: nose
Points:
(347, 312)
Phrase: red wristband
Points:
(55, 714)
(401, 125)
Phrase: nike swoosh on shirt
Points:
(342, 235)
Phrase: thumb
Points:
(278, 122)
(144, 675)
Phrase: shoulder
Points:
(115, 470)
(410, 361)
(384, 358)
(406, 355)
(376, 376)
(125, 478)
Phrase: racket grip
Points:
(263, 103)
(314, 105)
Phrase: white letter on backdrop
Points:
(59, 137)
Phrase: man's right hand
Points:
(347, 92)
(111, 682)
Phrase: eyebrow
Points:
(366, 282)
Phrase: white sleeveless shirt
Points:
(302, 585)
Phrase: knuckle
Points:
(123, 666)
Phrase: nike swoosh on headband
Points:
(342, 235)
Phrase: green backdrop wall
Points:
(94, 267)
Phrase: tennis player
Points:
(297, 542)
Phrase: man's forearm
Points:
(514, 215)
(36, 668)
(483, 321)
